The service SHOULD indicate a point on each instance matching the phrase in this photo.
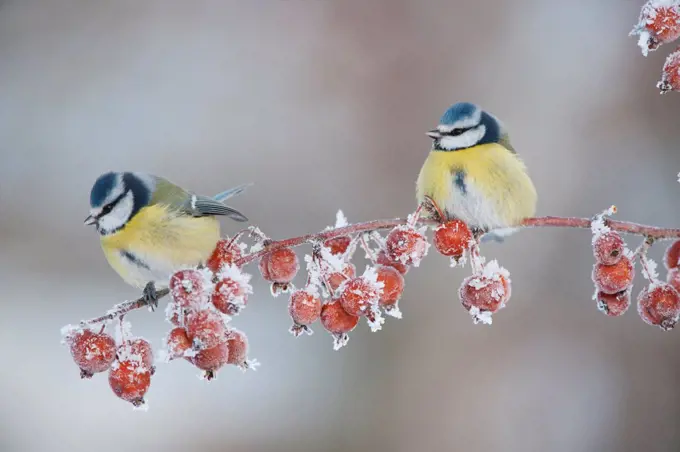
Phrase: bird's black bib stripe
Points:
(133, 259)
(459, 181)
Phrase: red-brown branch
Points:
(123, 308)
(652, 232)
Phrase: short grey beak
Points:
(90, 220)
(434, 134)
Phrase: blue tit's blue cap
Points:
(101, 189)
(456, 112)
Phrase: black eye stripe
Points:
(455, 132)
(109, 207)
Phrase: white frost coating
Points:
(479, 316)
(68, 331)
(123, 331)
(598, 226)
(459, 262)
(415, 256)
(340, 340)
(144, 406)
(337, 263)
(340, 220)
(643, 42)
(239, 277)
(376, 320)
(171, 309)
(647, 15)
(371, 276)
(394, 311)
(315, 280)
(651, 268)
(630, 254)
(494, 271)
(251, 364)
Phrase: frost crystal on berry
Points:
(337, 322)
(304, 308)
(137, 350)
(92, 352)
(280, 266)
(659, 304)
(479, 316)
(670, 75)
(226, 253)
(613, 305)
(614, 278)
(358, 294)
(608, 247)
(672, 255)
(232, 289)
(206, 329)
(177, 343)
(130, 380)
(407, 245)
(659, 23)
(191, 288)
(485, 293)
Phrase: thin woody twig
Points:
(652, 233)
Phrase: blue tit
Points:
(474, 174)
(149, 227)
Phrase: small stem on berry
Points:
(476, 259)
(415, 216)
(641, 253)
(367, 249)
(238, 236)
(319, 261)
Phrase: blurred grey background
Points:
(324, 104)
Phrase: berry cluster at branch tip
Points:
(658, 303)
(659, 24)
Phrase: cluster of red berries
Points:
(613, 273)
(487, 290)
(129, 362)
(659, 24)
(203, 302)
(339, 298)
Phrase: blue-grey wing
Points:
(200, 206)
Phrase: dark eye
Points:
(456, 132)
(107, 209)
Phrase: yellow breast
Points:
(494, 189)
(157, 241)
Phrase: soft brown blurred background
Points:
(324, 104)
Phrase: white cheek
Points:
(464, 140)
(119, 215)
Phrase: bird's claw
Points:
(433, 209)
(150, 295)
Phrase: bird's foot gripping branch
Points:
(203, 301)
